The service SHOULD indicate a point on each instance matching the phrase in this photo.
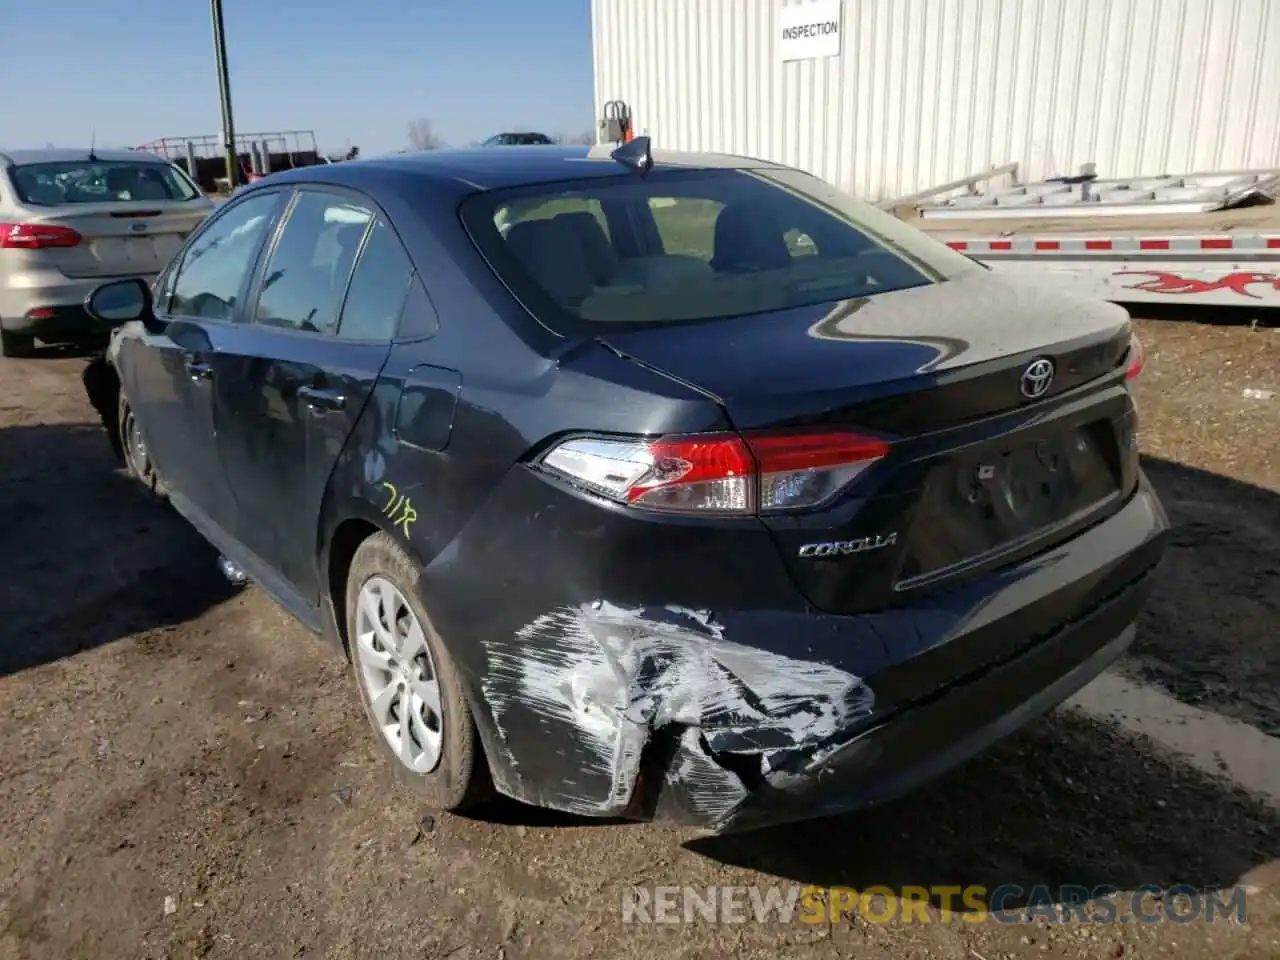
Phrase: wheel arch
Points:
(337, 553)
(342, 545)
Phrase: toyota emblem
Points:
(1037, 379)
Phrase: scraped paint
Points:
(596, 681)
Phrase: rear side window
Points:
(681, 246)
(218, 260)
(378, 288)
(307, 273)
(57, 184)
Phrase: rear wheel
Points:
(16, 344)
(137, 459)
(408, 684)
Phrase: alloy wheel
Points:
(399, 675)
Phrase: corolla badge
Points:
(1037, 378)
(836, 548)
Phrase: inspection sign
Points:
(810, 29)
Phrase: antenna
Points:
(93, 143)
(635, 154)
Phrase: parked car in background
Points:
(70, 219)
(700, 491)
(518, 140)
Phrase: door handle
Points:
(320, 399)
(198, 370)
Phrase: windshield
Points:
(55, 184)
(680, 246)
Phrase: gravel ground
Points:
(186, 774)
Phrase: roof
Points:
(75, 155)
(482, 169)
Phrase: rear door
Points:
(167, 375)
(293, 383)
(131, 217)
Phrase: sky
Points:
(357, 72)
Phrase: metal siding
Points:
(926, 91)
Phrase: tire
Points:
(137, 463)
(460, 775)
(16, 344)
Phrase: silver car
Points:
(70, 219)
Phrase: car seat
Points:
(552, 254)
(597, 249)
(748, 239)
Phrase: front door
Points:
(167, 375)
(293, 382)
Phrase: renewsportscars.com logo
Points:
(1008, 903)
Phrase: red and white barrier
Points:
(1218, 270)
(1195, 246)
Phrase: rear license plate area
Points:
(124, 250)
(978, 503)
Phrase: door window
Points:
(307, 273)
(378, 287)
(217, 262)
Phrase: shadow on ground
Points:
(1210, 635)
(89, 556)
(1069, 801)
(55, 351)
(1191, 312)
(507, 812)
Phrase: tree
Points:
(422, 136)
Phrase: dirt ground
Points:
(166, 737)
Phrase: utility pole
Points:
(224, 93)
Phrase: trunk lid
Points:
(119, 239)
(979, 473)
(905, 361)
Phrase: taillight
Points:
(756, 472)
(36, 236)
(1137, 358)
(807, 469)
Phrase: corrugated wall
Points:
(926, 91)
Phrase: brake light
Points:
(36, 236)
(756, 472)
(1137, 358)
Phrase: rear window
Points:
(681, 246)
(56, 184)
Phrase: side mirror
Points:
(120, 301)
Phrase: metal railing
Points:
(971, 182)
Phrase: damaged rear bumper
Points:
(923, 741)
(753, 714)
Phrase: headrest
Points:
(552, 254)
(121, 178)
(748, 238)
(596, 248)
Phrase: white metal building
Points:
(902, 95)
